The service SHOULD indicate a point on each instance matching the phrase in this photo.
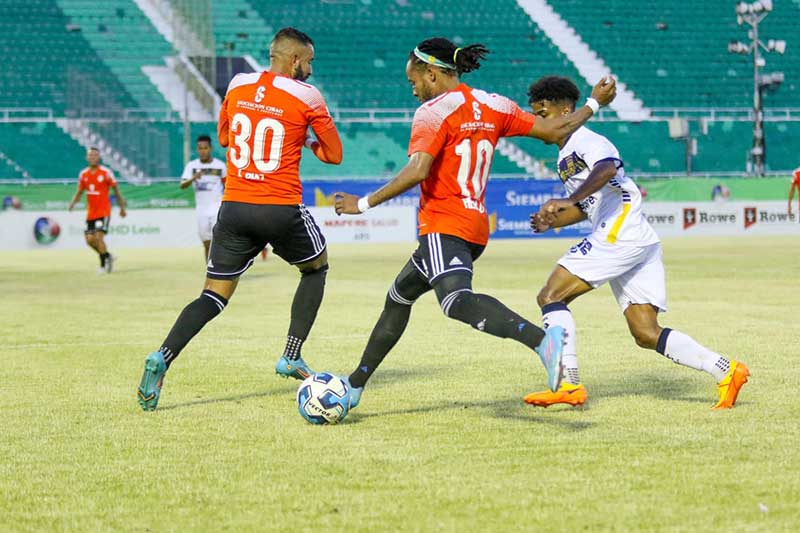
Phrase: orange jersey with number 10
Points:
(265, 118)
(460, 129)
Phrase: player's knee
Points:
(547, 296)
(396, 296)
(454, 303)
(90, 240)
(314, 270)
(645, 336)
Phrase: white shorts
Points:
(205, 223)
(635, 273)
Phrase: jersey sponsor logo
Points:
(586, 203)
(260, 93)
(570, 166)
(208, 171)
(261, 108)
(474, 126)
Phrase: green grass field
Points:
(441, 440)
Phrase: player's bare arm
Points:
(600, 175)
(195, 177)
(415, 171)
(555, 130)
(120, 201)
(78, 193)
(543, 221)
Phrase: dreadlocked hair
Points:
(466, 59)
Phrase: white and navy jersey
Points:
(615, 211)
(208, 187)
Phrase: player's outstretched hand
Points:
(552, 207)
(538, 223)
(122, 212)
(346, 204)
(605, 91)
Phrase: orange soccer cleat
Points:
(566, 393)
(730, 385)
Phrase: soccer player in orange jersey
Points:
(795, 185)
(453, 137)
(264, 122)
(96, 180)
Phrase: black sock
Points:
(191, 320)
(385, 334)
(489, 315)
(307, 299)
(103, 258)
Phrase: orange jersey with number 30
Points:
(265, 118)
(460, 129)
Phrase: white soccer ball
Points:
(323, 398)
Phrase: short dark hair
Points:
(465, 59)
(293, 34)
(555, 89)
(95, 148)
(204, 137)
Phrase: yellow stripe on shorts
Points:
(612, 235)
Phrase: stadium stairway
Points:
(126, 41)
(674, 54)
(591, 67)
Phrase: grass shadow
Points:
(236, 399)
(508, 409)
(653, 384)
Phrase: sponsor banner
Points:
(382, 224)
(509, 203)
(721, 218)
(175, 228)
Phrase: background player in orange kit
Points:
(795, 185)
(96, 179)
(453, 137)
(264, 122)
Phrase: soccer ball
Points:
(323, 399)
(46, 230)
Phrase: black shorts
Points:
(440, 255)
(98, 224)
(243, 230)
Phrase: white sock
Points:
(686, 351)
(557, 314)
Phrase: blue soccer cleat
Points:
(152, 379)
(355, 393)
(550, 351)
(297, 369)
